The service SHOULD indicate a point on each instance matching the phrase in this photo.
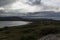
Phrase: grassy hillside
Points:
(31, 31)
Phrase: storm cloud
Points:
(6, 2)
(21, 7)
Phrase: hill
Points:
(33, 31)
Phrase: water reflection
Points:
(12, 23)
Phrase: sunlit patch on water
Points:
(12, 23)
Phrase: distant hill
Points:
(36, 16)
(14, 18)
(10, 18)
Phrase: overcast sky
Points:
(9, 7)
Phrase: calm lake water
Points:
(12, 23)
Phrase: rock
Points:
(51, 37)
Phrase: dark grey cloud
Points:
(34, 2)
(5, 2)
(33, 6)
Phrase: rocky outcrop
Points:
(51, 37)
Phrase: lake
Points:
(12, 23)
